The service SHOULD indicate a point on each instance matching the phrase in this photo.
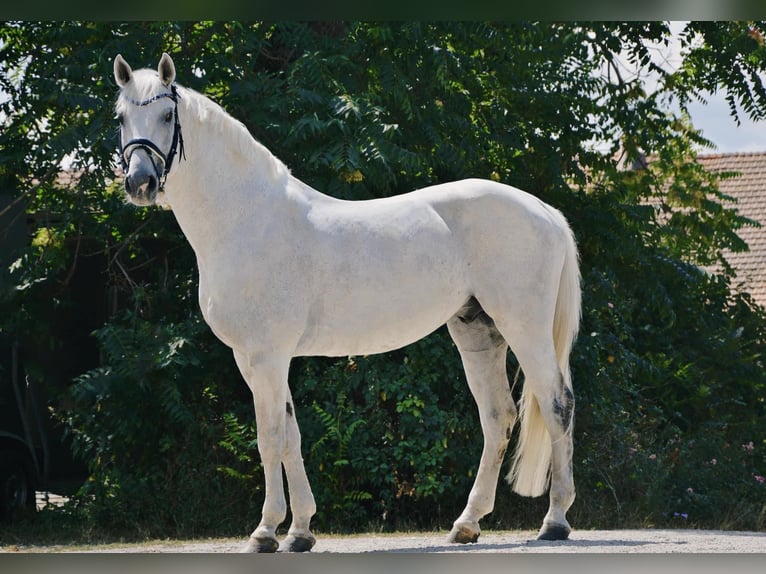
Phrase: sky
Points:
(714, 118)
(720, 128)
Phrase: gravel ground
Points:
(580, 542)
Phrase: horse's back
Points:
(456, 207)
(394, 269)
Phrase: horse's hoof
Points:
(463, 534)
(554, 532)
(298, 543)
(261, 545)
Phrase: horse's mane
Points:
(146, 84)
(216, 118)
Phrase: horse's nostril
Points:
(141, 184)
(148, 185)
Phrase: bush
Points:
(399, 431)
(669, 383)
(160, 433)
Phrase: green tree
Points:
(668, 372)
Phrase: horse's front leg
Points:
(302, 505)
(267, 378)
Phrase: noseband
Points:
(150, 147)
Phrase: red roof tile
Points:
(749, 190)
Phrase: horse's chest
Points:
(245, 313)
(219, 315)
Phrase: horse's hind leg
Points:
(549, 443)
(483, 352)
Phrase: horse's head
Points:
(147, 109)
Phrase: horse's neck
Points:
(215, 187)
(219, 191)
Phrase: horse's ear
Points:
(122, 72)
(166, 69)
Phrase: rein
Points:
(150, 147)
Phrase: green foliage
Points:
(670, 377)
(668, 370)
(340, 496)
(160, 446)
(400, 431)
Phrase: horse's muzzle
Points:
(141, 188)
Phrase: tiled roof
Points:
(749, 189)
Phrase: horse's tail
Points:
(530, 472)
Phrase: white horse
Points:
(286, 271)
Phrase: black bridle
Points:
(150, 147)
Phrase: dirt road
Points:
(581, 541)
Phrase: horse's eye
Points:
(121, 118)
(169, 116)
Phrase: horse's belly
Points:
(368, 334)
(357, 326)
